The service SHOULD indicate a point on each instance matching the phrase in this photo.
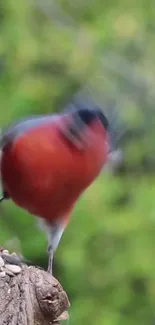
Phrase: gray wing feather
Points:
(19, 128)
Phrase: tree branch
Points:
(30, 296)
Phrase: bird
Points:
(47, 163)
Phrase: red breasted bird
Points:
(48, 162)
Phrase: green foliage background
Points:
(106, 258)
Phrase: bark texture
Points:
(32, 297)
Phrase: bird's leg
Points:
(50, 259)
(54, 232)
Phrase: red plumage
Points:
(45, 173)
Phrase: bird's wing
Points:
(11, 133)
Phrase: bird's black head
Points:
(89, 115)
(82, 118)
